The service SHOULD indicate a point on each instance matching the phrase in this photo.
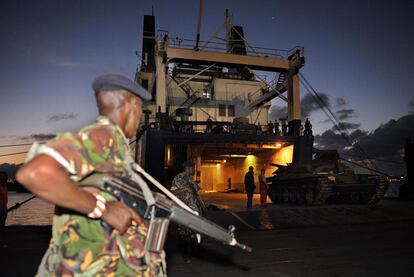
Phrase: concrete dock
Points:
(334, 240)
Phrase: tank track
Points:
(317, 190)
(311, 190)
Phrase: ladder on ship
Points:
(274, 89)
(191, 94)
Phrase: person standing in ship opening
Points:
(80, 245)
(249, 186)
(263, 188)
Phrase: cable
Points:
(337, 124)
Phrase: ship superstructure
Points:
(211, 104)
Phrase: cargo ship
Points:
(210, 104)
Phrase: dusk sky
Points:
(50, 52)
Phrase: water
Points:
(34, 212)
(39, 212)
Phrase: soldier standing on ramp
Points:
(186, 189)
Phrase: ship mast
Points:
(228, 25)
(200, 14)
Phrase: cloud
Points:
(330, 140)
(325, 121)
(334, 140)
(346, 126)
(61, 61)
(49, 52)
(309, 105)
(61, 116)
(277, 112)
(340, 101)
(345, 114)
(358, 133)
(384, 145)
(38, 137)
(387, 141)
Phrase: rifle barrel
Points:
(127, 191)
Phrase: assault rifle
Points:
(161, 211)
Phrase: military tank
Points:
(325, 179)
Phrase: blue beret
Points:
(121, 82)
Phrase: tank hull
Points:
(317, 190)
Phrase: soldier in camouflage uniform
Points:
(57, 172)
(186, 189)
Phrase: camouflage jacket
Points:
(79, 245)
(183, 181)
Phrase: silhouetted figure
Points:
(258, 129)
(249, 186)
(209, 127)
(301, 130)
(270, 128)
(218, 129)
(277, 128)
(284, 126)
(189, 128)
(308, 128)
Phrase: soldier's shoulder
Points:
(178, 178)
(98, 132)
(61, 140)
(98, 127)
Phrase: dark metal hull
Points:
(317, 189)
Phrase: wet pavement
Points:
(376, 249)
(282, 216)
(290, 240)
(287, 240)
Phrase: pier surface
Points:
(333, 240)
